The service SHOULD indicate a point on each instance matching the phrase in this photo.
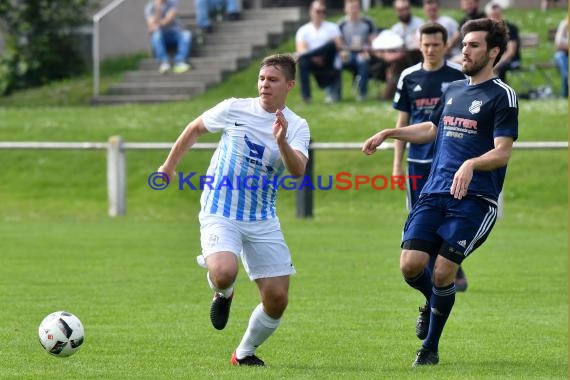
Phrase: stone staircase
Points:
(232, 46)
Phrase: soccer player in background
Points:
(419, 89)
(474, 126)
(261, 137)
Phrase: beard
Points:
(475, 68)
(405, 19)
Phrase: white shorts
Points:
(260, 244)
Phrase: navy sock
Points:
(422, 282)
(441, 302)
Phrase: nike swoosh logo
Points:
(239, 124)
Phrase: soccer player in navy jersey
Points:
(261, 137)
(418, 91)
(474, 126)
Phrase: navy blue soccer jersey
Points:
(468, 118)
(417, 93)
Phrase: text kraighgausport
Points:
(340, 181)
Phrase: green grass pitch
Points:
(144, 302)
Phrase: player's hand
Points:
(280, 126)
(171, 173)
(372, 143)
(461, 180)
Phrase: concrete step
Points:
(261, 26)
(136, 99)
(228, 62)
(275, 14)
(285, 13)
(229, 50)
(207, 76)
(212, 63)
(232, 46)
(252, 37)
(157, 88)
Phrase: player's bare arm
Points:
(187, 138)
(493, 159)
(420, 133)
(400, 146)
(294, 161)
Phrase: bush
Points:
(39, 41)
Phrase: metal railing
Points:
(116, 162)
(96, 42)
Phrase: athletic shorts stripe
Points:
(484, 228)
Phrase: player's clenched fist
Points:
(372, 143)
(169, 172)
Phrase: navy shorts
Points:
(453, 228)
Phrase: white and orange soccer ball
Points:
(61, 334)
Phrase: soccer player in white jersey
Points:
(261, 138)
(474, 126)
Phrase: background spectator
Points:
(317, 45)
(471, 12)
(561, 55)
(390, 59)
(407, 27)
(358, 31)
(205, 7)
(166, 32)
(431, 11)
(511, 59)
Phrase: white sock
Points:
(260, 327)
(226, 293)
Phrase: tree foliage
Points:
(40, 41)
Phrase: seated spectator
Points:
(431, 11)
(561, 55)
(390, 58)
(317, 45)
(205, 7)
(165, 33)
(407, 27)
(511, 59)
(358, 31)
(471, 12)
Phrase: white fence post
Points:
(116, 176)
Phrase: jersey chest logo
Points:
(475, 107)
(255, 150)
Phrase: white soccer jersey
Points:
(246, 167)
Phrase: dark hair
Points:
(425, 2)
(497, 33)
(433, 28)
(285, 62)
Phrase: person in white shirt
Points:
(407, 27)
(318, 43)
(431, 11)
(261, 138)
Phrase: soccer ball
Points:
(61, 334)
